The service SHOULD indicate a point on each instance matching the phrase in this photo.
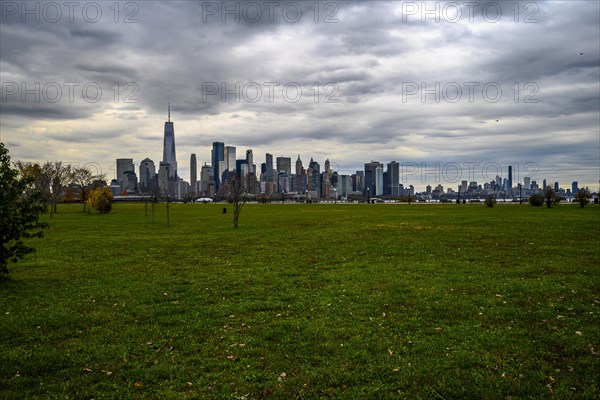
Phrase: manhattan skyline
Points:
(394, 77)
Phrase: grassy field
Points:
(307, 301)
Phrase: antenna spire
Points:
(169, 111)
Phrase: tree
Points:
(551, 197)
(101, 199)
(490, 201)
(583, 197)
(20, 207)
(55, 178)
(536, 200)
(83, 177)
(237, 196)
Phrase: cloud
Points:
(373, 54)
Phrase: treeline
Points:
(55, 180)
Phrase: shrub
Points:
(490, 201)
(551, 197)
(583, 197)
(20, 208)
(536, 200)
(101, 199)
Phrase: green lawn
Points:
(307, 301)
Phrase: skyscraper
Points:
(124, 170)
(284, 164)
(298, 165)
(379, 180)
(393, 172)
(218, 155)
(169, 146)
(250, 162)
(229, 158)
(575, 187)
(193, 172)
(509, 184)
(314, 174)
(268, 167)
(371, 178)
(359, 181)
(147, 176)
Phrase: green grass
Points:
(349, 301)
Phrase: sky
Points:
(451, 90)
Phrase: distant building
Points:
(147, 176)
(229, 158)
(284, 182)
(373, 179)
(574, 187)
(359, 181)
(217, 155)
(313, 174)
(284, 164)
(207, 179)
(344, 186)
(193, 172)
(268, 167)
(115, 188)
(124, 169)
(164, 179)
(169, 155)
(393, 178)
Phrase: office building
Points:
(268, 168)
(371, 178)
(574, 187)
(393, 178)
(284, 164)
(217, 155)
(169, 155)
(229, 158)
(193, 172)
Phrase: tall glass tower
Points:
(217, 155)
(169, 146)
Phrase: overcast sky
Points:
(456, 89)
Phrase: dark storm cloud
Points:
(371, 52)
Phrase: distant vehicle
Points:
(204, 200)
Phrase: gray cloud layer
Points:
(373, 54)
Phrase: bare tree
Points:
(583, 197)
(83, 177)
(237, 196)
(55, 177)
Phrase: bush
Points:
(551, 197)
(583, 197)
(490, 201)
(101, 199)
(20, 208)
(536, 200)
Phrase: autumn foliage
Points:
(101, 199)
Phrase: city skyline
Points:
(377, 83)
(391, 181)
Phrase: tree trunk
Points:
(235, 218)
